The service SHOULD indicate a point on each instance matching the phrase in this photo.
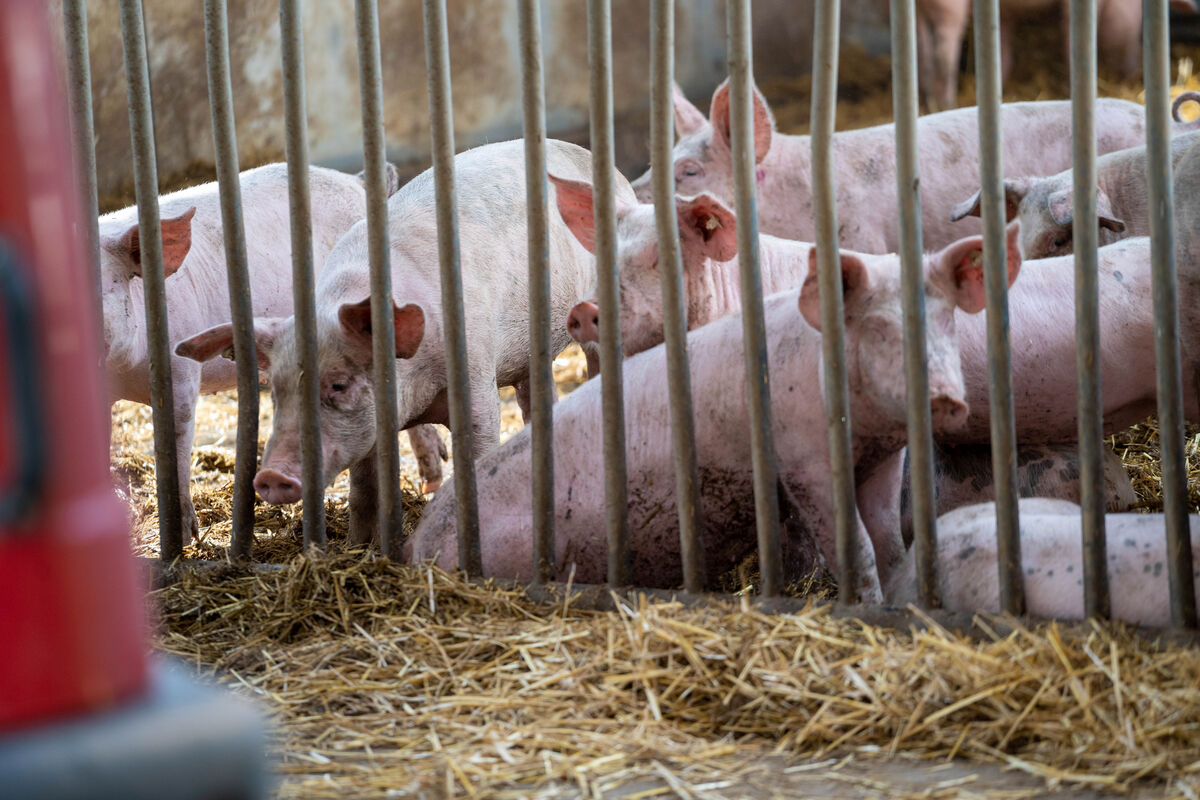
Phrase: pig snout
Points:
(583, 323)
(948, 413)
(277, 488)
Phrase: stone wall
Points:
(484, 62)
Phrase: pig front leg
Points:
(878, 497)
(814, 498)
(430, 451)
(485, 415)
(186, 386)
(364, 499)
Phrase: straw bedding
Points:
(390, 680)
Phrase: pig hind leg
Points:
(430, 452)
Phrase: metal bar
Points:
(683, 426)
(145, 174)
(303, 298)
(611, 388)
(1004, 440)
(437, 60)
(912, 268)
(220, 103)
(541, 376)
(1156, 74)
(390, 511)
(754, 334)
(83, 133)
(833, 331)
(1087, 307)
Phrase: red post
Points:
(72, 627)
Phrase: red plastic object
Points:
(72, 629)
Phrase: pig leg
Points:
(925, 71)
(430, 451)
(364, 499)
(813, 494)
(485, 415)
(525, 404)
(186, 385)
(878, 496)
(947, 48)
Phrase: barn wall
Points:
(484, 62)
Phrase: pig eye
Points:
(339, 387)
(687, 169)
(1062, 241)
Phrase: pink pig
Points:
(1051, 563)
(494, 261)
(197, 289)
(878, 414)
(1036, 137)
(1046, 206)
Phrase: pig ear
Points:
(1061, 205)
(218, 341)
(688, 118)
(391, 178)
(575, 204)
(1105, 213)
(962, 262)
(707, 224)
(854, 280)
(764, 123)
(176, 242)
(408, 322)
(1014, 191)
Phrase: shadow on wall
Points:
(484, 57)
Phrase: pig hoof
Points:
(429, 487)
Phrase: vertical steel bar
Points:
(912, 266)
(683, 426)
(83, 133)
(611, 389)
(833, 331)
(145, 172)
(220, 103)
(437, 60)
(1087, 307)
(390, 511)
(1166, 313)
(303, 298)
(1004, 441)
(541, 376)
(754, 341)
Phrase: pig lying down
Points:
(1046, 205)
(1051, 562)
(494, 261)
(874, 364)
(963, 476)
(1036, 141)
(198, 292)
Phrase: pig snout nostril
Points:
(276, 488)
(948, 413)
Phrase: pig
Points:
(1046, 206)
(494, 261)
(941, 25)
(963, 476)
(197, 290)
(1036, 141)
(708, 246)
(874, 366)
(1051, 562)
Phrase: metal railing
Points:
(683, 435)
